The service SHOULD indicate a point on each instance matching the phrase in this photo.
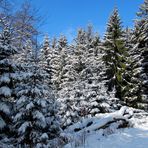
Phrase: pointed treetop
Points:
(81, 36)
(54, 42)
(115, 16)
(46, 41)
(114, 27)
(62, 42)
(89, 32)
(46, 37)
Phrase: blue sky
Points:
(66, 16)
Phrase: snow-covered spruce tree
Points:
(94, 98)
(36, 119)
(58, 61)
(69, 84)
(21, 57)
(7, 71)
(64, 78)
(139, 54)
(63, 48)
(54, 63)
(67, 79)
(128, 97)
(115, 57)
(47, 54)
(74, 90)
(82, 93)
(87, 66)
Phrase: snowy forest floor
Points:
(126, 128)
(127, 138)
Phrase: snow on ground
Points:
(127, 138)
(112, 137)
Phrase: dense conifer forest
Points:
(47, 89)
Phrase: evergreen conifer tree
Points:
(139, 55)
(7, 76)
(58, 61)
(47, 55)
(115, 57)
(36, 119)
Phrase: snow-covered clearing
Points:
(127, 138)
(110, 134)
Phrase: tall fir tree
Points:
(47, 55)
(69, 94)
(58, 61)
(115, 57)
(128, 33)
(139, 56)
(63, 49)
